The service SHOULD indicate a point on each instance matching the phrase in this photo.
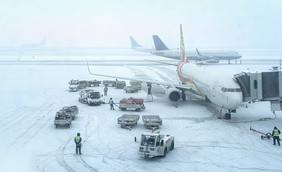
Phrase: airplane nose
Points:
(236, 100)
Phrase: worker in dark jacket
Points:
(111, 102)
(77, 141)
(149, 89)
(275, 134)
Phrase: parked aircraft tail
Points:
(183, 57)
(159, 45)
(134, 43)
(198, 52)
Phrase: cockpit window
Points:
(223, 89)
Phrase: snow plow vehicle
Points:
(152, 121)
(127, 120)
(131, 104)
(62, 119)
(90, 97)
(155, 144)
(71, 110)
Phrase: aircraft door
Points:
(216, 84)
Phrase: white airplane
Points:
(207, 56)
(199, 82)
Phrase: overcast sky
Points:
(109, 23)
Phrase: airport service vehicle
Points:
(131, 89)
(74, 85)
(71, 110)
(155, 144)
(90, 97)
(74, 81)
(109, 83)
(152, 121)
(62, 119)
(82, 84)
(73, 88)
(128, 120)
(131, 104)
(93, 83)
(120, 84)
(136, 84)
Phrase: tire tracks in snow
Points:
(60, 157)
(31, 129)
(105, 157)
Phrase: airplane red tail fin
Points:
(183, 57)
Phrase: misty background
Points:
(240, 24)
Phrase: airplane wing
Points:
(166, 63)
(187, 86)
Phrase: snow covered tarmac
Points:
(31, 95)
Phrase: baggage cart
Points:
(128, 120)
(131, 104)
(152, 121)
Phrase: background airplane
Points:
(204, 57)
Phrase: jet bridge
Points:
(262, 86)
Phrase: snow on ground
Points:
(32, 94)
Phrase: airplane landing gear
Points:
(183, 96)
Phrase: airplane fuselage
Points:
(220, 89)
(192, 55)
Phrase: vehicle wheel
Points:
(56, 126)
(123, 109)
(137, 109)
(172, 145)
(165, 151)
(69, 125)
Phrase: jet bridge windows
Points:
(270, 85)
(262, 86)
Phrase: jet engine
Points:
(173, 94)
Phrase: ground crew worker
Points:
(275, 134)
(149, 88)
(111, 102)
(105, 90)
(77, 141)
